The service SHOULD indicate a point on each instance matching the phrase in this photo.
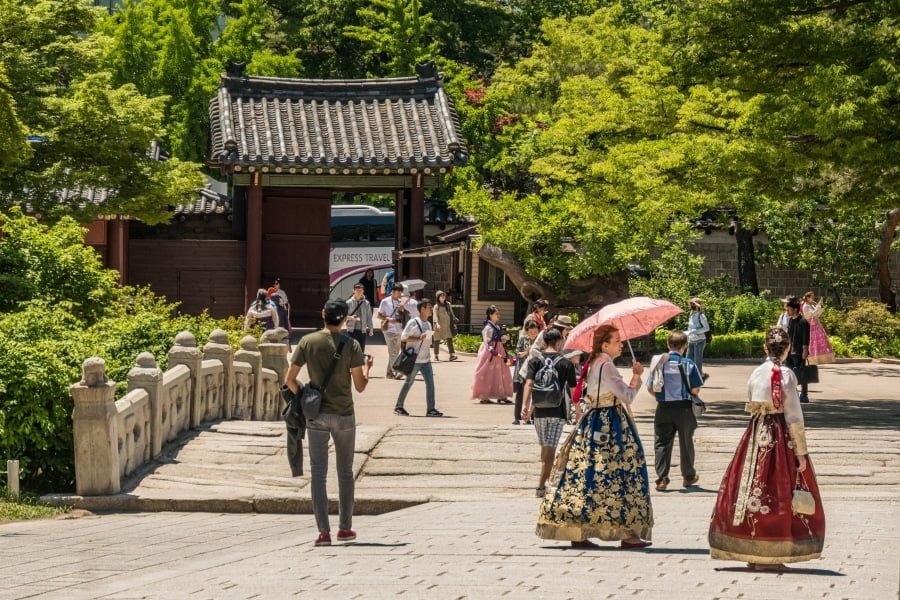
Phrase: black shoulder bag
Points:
(309, 401)
(406, 360)
(698, 406)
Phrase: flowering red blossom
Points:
(475, 95)
(505, 120)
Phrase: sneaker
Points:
(661, 485)
(346, 535)
(434, 413)
(399, 410)
(516, 422)
(690, 482)
(324, 539)
(453, 357)
(804, 398)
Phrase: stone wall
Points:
(719, 250)
(113, 438)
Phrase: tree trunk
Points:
(883, 256)
(746, 258)
(592, 292)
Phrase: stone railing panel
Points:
(270, 403)
(217, 348)
(175, 406)
(212, 384)
(251, 355)
(244, 390)
(185, 352)
(133, 431)
(96, 431)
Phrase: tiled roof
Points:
(438, 213)
(356, 126)
(207, 202)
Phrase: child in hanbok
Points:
(600, 487)
(492, 376)
(769, 511)
(820, 350)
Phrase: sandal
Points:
(504, 401)
(453, 357)
(486, 401)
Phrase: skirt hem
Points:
(716, 554)
(579, 533)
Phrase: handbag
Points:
(406, 360)
(698, 406)
(308, 402)
(811, 372)
(802, 502)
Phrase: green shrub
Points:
(737, 345)
(839, 346)
(893, 348)
(864, 345)
(467, 342)
(752, 313)
(871, 319)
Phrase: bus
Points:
(362, 237)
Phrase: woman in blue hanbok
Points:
(600, 488)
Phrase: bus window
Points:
(350, 233)
(382, 232)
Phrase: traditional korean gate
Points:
(296, 239)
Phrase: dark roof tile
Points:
(397, 123)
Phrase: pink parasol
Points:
(633, 318)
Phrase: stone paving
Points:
(464, 529)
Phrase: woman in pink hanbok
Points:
(492, 376)
(820, 350)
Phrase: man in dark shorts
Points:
(548, 420)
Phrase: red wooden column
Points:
(416, 231)
(400, 235)
(117, 246)
(254, 239)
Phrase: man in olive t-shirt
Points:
(336, 419)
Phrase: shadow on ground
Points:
(877, 413)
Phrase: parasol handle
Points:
(630, 349)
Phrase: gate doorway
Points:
(296, 242)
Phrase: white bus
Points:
(362, 237)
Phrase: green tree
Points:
(836, 246)
(92, 134)
(398, 35)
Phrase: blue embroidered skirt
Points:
(601, 485)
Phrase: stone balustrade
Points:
(113, 438)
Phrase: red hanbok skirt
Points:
(753, 520)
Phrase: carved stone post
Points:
(274, 351)
(218, 348)
(185, 352)
(250, 355)
(146, 375)
(96, 431)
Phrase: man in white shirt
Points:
(389, 313)
(418, 334)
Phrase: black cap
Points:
(335, 311)
(424, 302)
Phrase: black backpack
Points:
(708, 332)
(546, 391)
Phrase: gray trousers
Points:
(695, 353)
(393, 346)
(672, 418)
(343, 430)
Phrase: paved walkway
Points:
(466, 482)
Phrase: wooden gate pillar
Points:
(254, 240)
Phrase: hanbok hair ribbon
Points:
(777, 388)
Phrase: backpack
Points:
(673, 382)
(546, 391)
(708, 332)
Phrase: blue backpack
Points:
(674, 382)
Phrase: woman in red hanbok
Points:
(754, 519)
(492, 376)
(820, 350)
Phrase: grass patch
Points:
(27, 508)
